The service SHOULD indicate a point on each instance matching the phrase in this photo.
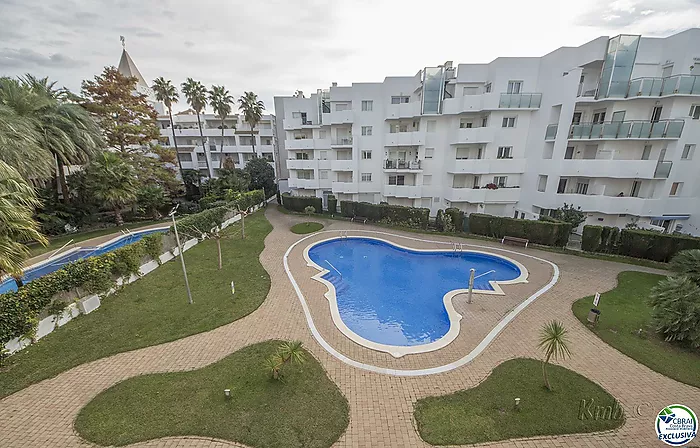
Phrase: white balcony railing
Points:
(403, 191)
(483, 195)
(342, 141)
(487, 166)
(414, 138)
(474, 135)
(614, 168)
(344, 187)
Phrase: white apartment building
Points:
(610, 126)
(236, 142)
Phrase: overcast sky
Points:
(274, 47)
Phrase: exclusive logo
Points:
(676, 425)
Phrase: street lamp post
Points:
(182, 257)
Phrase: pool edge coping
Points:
(398, 351)
(426, 371)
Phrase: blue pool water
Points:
(84, 252)
(394, 296)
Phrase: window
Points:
(646, 152)
(476, 182)
(302, 156)
(695, 111)
(366, 177)
(367, 130)
(296, 114)
(305, 174)
(366, 154)
(582, 188)
(266, 141)
(487, 87)
(542, 182)
(636, 185)
(432, 124)
(366, 105)
(465, 123)
(577, 118)
(599, 117)
(470, 91)
(202, 157)
(323, 174)
(561, 188)
(397, 179)
(515, 86)
(508, 122)
(688, 151)
(484, 122)
(427, 179)
(436, 199)
(339, 107)
(676, 188)
(515, 215)
(268, 156)
(429, 153)
(323, 155)
(322, 134)
(500, 180)
(505, 152)
(399, 99)
(185, 157)
(266, 125)
(656, 114)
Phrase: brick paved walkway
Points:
(381, 407)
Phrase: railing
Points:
(677, 84)
(343, 141)
(390, 164)
(663, 169)
(551, 132)
(627, 129)
(520, 100)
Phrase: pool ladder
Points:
(457, 247)
(343, 234)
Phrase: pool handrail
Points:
(60, 249)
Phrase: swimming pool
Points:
(396, 299)
(53, 264)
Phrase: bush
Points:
(676, 310)
(332, 204)
(440, 220)
(654, 245)
(569, 213)
(279, 197)
(192, 226)
(389, 214)
(457, 217)
(591, 238)
(299, 203)
(687, 263)
(538, 232)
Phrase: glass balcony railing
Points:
(551, 133)
(663, 169)
(672, 85)
(627, 129)
(520, 100)
(391, 164)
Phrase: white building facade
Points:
(610, 126)
(236, 143)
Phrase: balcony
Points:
(487, 166)
(184, 132)
(395, 165)
(551, 132)
(520, 101)
(302, 164)
(341, 117)
(613, 168)
(342, 165)
(341, 142)
(403, 110)
(414, 138)
(299, 144)
(642, 130)
(303, 183)
(474, 135)
(403, 191)
(344, 187)
(483, 195)
(613, 204)
(470, 103)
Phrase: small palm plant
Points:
(289, 352)
(555, 344)
(309, 210)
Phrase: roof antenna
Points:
(121, 38)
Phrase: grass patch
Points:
(57, 242)
(486, 412)
(154, 309)
(624, 310)
(306, 227)
(305, 409)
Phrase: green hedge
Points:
(591, 238)
(457, 216)
(332, 204)
(388, 214)
(299, 203)
(547, 233)
(19, 310)
(654, 245)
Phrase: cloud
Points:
(24, 57)
(653, 17)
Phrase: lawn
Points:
(57, 242)
(305, 409)
(487, 412)
(154, 309)
(624, 311)
(306, 227)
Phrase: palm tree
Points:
(112, 181)
(17, 203)
(555, 344)
(252, 109)
(289, 352)
(196, 95)
(222, 103)
(166, 92)
(19, 143)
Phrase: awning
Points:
(676, 217)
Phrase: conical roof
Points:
(128, 68)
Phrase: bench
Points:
(359, 219)
(515, 241)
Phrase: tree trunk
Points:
(222, 142)
(61, 180)
(218, 246)
(544, 373)
(204, 145)
(118, 216)
(177, 153)
(252, 140)
(242, 225)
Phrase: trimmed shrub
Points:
(591, 238)
(676, 310)
(539, 232)
(388, 214)
(611, 244)
(654, 245)
(439, 220)
(332, 204)
(457, 216)
(299, 203)
(347, 208)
